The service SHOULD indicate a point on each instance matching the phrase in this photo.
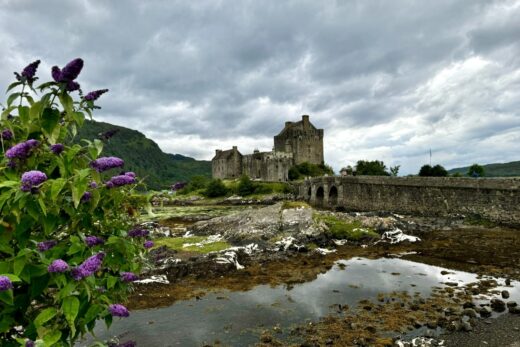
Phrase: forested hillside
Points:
(494, 170)
(143, 156)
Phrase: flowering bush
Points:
(67, 225)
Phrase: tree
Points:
(439, 171)
(436, 171)
(395, 170)
(68, 227)
(371, 168)
(475, 170)
(425, 171)
(307, 169)
(215, 189)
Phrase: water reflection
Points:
(236, 318)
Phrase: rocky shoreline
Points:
(272, 246)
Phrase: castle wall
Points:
(267, 166)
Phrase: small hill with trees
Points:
(143, 156)
(510, 169)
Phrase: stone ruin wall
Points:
(493, 199)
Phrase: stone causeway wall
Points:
(495, 199)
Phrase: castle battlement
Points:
(298, 142)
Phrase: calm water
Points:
(237, 318)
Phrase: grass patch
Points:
(479, 221)
(341, 229)
(177, 243)
(294, 204)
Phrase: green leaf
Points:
(24, 114)
(6, 296)
(45, 316)
(92, 312)
(9, 184)
(19, 264)
(50, 119)
(42, 206)
(111, 282)
(13, 85)
(65, 291)
(12, 277)
(56, 187)
(67, 103)
(12, 98)
(36, 110)
(6, 323)
(99, 146)
(52, 337)
(70, 307)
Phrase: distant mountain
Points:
(143, 156)
(494, 170)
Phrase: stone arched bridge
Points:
(491, 198)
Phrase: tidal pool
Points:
(237, 318)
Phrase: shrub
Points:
(436, 171)
(245, 186)
(64, 225)
(475, 170)
(215, 188)
(371, 168)
(307, 169)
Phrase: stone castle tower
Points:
(298, 142)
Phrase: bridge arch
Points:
(320, 196)
(333, 196)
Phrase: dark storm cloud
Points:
(386, 80)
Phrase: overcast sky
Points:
(386, 80)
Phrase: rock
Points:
(514, 310)
(498, 305)
(511, 304)
(468, 304)
(508, 282)
(505, 294)
(470, 312)
(466, 326)
(485, 311)
(266, 337)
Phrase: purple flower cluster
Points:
(94, 95)
(88, 267)
(178, 186)
(57, 148)
(29, 343)
(21, 150)
(120, 180)
(86, 197)
(69, 73)
(5, 283)
(58, 265)
(6, 134)
(92, 241)
(138, 232)
(148, 244)
(106, 163)
(128, 277)
(118, 310)
(32, 179)
(93, 185)
(46, 245)
(72, 86)
(28, 72)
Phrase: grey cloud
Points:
(215, 71)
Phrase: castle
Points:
(298, 142)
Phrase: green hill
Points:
(494, 170)
(143, 156)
